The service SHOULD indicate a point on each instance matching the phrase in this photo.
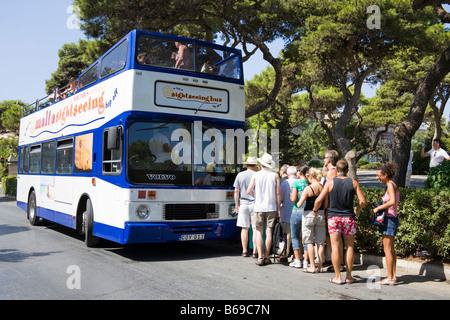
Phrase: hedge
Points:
(424, 216)
(9, 185)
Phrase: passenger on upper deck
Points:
(183, 58)
(209, 67)
(143, 58)
(72, 88)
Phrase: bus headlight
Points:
(142, 212)
(231, 212)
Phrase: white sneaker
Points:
(295, 264)
(305, 264)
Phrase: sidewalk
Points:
(435, 270)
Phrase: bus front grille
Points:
(193, 211)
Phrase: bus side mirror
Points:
(114, 135)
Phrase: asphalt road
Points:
(367, 179)
(52, 262)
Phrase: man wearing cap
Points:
(265, 186)
(244, 203)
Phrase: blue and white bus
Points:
(135, 151)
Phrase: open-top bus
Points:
(135, 151)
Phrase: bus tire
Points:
(31, 209)
(88, 226)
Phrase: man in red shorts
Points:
(341, 218)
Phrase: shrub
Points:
(439, 177)
(316, 164)
(373, 165)
(424, 222)
(9, 185)
(362, 162)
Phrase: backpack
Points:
(278, 241)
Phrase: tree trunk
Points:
(405, 130)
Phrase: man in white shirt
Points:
(266, 184)
(244, 203)
(437, 154)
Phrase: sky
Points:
(33, 31)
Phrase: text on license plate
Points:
(188, 237)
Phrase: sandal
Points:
(245, 254)
(260, 262)
(267, 261)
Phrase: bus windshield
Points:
(162, 153)
(166, 53)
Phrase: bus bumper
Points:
(179, 231)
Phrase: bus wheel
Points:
(88, 226)
(31, 210)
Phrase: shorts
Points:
(245, 215)
(313, 227)
(390, 226)
(261, 218)
(343, 225)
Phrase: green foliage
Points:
(424, 222)
(10, 113)
(370, 166)
(316, 164)
(9, 185)
(439, 177)
(362, 162)
(73, 59)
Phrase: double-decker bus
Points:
(137, 148)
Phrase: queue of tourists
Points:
(316, 211)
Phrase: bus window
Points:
(151, 154)
(88, 77)
(48, 157)
(115, 60)
(26, 157)
(64, 156)
(83, 153)
(112, 152)
(215, 169)
(21, 160)
(35, 159)
(163, 53)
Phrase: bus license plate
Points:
(188, 237)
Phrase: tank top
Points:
(341, 198)
(310, 201)
(391, 211)
(265, 194)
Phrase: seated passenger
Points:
(143, 58)
(72, 89)
(209, 68)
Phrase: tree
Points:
(345, 53)
(406, 129)
(74, 59)
(10, 113)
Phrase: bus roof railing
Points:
(58, 94)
